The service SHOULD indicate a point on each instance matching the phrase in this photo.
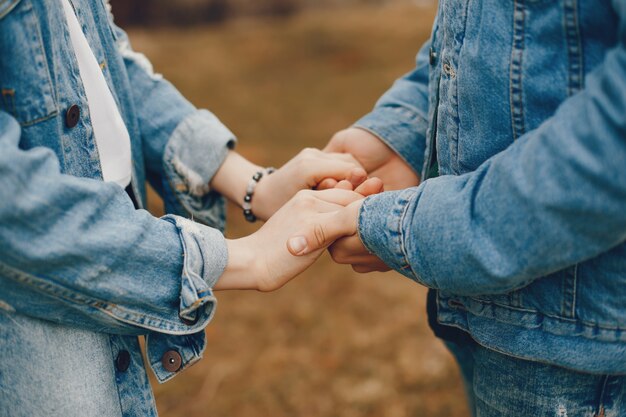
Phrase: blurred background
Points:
(283, 75)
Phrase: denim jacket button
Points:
(72, 116)
(432, 56)
(122, 362)
(171, 361)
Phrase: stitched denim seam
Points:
(550, 316)
(574, 47)
(45, 59)
(405, 210)
(569, 292)
(515, 72)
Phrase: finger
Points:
(356, 259)
(318, 169)
(323, 231)
(342, 197)
(362, 269)
(370, 187)
(327, 184)
(357, 177)
(345, 157)
(344, 185)
(349, 250)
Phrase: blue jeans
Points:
(498, 385)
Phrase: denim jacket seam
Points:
(567, 320)
(362, 213)
(516, 69)
(407, 265)
(45, 57)
(574, 47)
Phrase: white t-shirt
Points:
(111, 135)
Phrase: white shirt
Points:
(111, 135)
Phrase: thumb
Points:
(324, 231)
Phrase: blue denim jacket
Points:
(82, 273)
(521, 106)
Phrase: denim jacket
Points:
(82, 273)
(520, 106)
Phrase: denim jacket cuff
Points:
(401, 129)
(195, 151)
(380, 228)
(205, 258)
(189, 347)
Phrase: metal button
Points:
(72, 116)
(171, 361)
(122, 362)
(432, 56)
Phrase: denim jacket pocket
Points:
(26, 90)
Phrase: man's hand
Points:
(378, 159)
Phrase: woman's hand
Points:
(302, 172)
(305, 171)
(262, 261)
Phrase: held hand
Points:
(305, 171)
(350, 250)
(378, 159)
(263, 262)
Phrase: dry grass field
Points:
(332, 342)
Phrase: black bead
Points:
(247, 198)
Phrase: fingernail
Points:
(297, 245)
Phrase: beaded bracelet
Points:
(247, 200)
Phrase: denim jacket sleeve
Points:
(183, 146)
(400, 116)
(75, 251)
(554, 198)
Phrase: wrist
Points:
(242, 271)
(262, 201)
(232, 178)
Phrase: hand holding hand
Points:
(349, 249)
(378, 159)
(302, 172)
(263, 262)
(305, 171)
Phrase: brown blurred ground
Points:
(331, 343)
